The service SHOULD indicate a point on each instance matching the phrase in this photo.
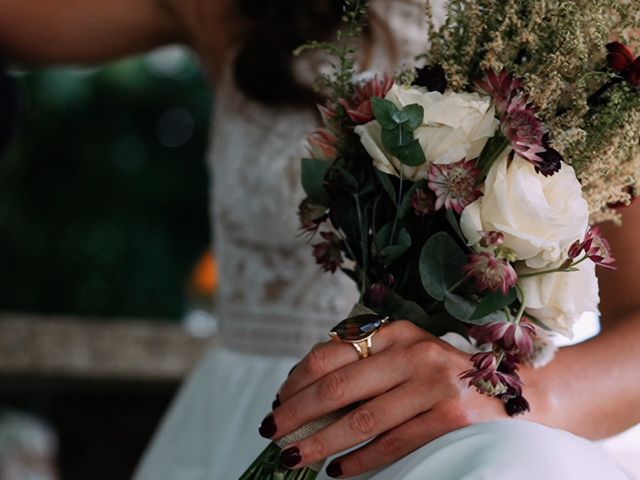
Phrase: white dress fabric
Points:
(275, 303)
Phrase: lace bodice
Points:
(273, 298)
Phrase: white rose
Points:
(455, 126)
(539, 216)
(559, 299)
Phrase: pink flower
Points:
(489, 378)
(423, 202)
(491, 239)
(359, 107)
(490, 272)
(502, 87)
(510, 336)
(524, 130)
(598, 249)
(328, 253)
(328, 113)
(455, 184)
(323, 145)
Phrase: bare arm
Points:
(593, 389)
(83, 31)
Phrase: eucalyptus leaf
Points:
(403, 309)
(493, 302)
(314, 172)
(410, 154)
(392, 252)
(463, 309)
(384, 110)
(386, 183)
(455, 225)
(441, 262)
(383, 236)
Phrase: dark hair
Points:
(263, 66)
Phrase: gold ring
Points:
(358, 331)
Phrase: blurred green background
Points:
(104, 192)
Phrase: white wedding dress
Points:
(275, 303)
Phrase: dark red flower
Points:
(423, 202)
(502, 87)
(510, 336)
(490, 272)
(359, 107)
(328, 253)
(487, 377)
(622, 60)
(596, 247)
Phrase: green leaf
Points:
(441, 262)
(392, 252)
(383, 236)
(411, 116)
(463, 309)
(493, 302)
(455, 225)
(313, 174)
(384, 110)
(411, 154)
(385, 181)
(403, 309)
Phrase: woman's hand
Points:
(406, 394)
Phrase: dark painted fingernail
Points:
(334, 470)
(290, 457)
(276, 403)
(268, 427)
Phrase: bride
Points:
(274, 301)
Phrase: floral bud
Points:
(490, 272)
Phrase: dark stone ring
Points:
(358, 331)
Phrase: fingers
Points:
(355, 382)
(395, 444)
(327, 357)
(363, 423)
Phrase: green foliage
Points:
(464, 310)
(314, 172)
(441, 262)
(397, 130)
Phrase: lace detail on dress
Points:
(273, 298)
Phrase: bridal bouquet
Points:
(461, 195)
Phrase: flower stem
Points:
(563, 268)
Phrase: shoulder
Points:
(213, 28)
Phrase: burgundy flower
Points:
(423, 202)
(311, 216)
(551, 159)
(622, 60)
(516, 405)
(598, 249)
(510, 336)
(323, 145)
(490, 272)
(377, 295)
(487, 378)
(524, 130)
(455, 184)
(491, 239)
(328, 253)
(359, 107)
(502, 87)
(432, 77)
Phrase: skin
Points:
(410, 390)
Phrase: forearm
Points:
(591, 389)
(68, 31)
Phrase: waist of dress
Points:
(269, 330)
